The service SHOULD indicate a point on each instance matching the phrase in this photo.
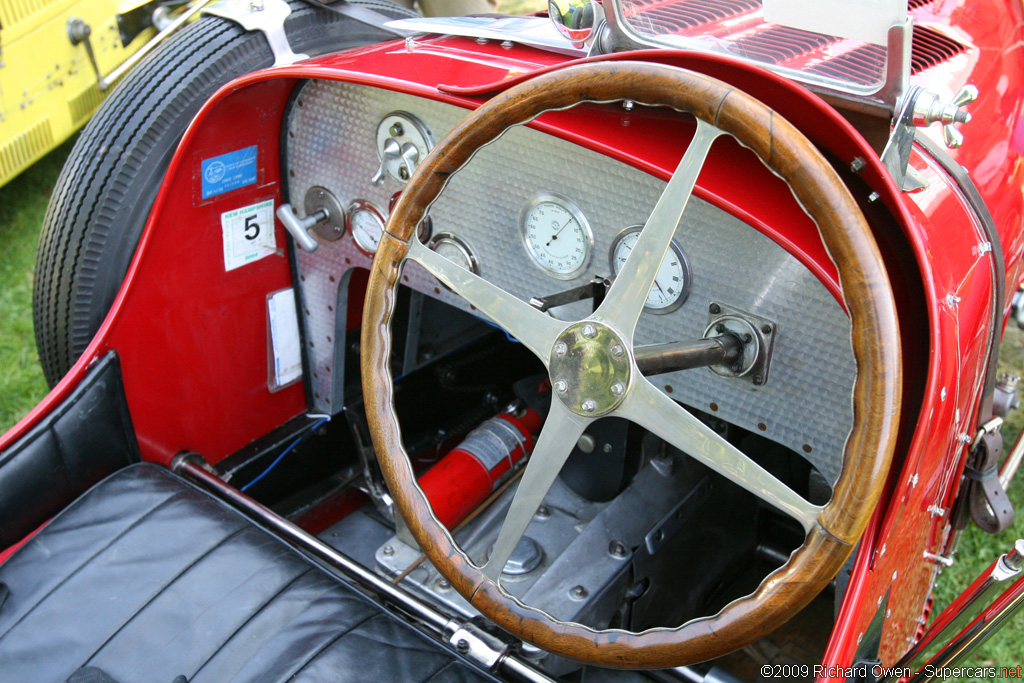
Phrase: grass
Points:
(23, 203)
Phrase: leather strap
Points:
(990, 507)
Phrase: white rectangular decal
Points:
(284, 338)
(865, 20)
(248, 234)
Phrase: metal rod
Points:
(990, 621)
(1012, 462)
(104, 82)
(656, 359)
(195, 469)
(953, 634)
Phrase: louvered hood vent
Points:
(739, 23)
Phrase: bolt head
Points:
(589, 331)
(578, 592)
(396, 130)
(543, 512)
(758, 380)
(589, 405)
(616, 549)
(388, 550)
(617, 350)
(561, 349)
(618, 389)
(462, 646)
(561, 386)
(766, 329)
(720, 328)
(715, 309)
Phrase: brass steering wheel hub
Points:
(589, 368)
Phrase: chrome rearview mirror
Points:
(574, 19)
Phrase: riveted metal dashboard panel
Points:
(806, 405)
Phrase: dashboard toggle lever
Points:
(299, 227)
(411, 157)
(392, 151)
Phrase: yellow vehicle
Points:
(58, 59)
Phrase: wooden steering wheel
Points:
(594, 358)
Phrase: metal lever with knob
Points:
(411, 156)
(392, 151)
(299, 228)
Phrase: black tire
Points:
(106, 189)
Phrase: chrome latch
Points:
(921, 108)
(929, 109)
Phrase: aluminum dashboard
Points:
(330, 140)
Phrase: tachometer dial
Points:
(557, 236)
(671, 285)
(366, 225)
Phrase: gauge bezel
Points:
(460, 244)
(568, 205)
(674, 246)
(356, 206)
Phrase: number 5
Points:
(251, 224)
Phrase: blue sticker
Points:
(229, 171)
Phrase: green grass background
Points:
(23, 203)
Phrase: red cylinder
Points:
(471, 471)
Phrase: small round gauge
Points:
(672, 283)
(365, 224)
(556, 234)
(456, 250)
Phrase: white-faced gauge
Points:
(557, 236)
(366, 225)
(455, 249)
(671, 285)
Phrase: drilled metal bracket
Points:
(267, 16)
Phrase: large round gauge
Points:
(671, 285)
(456, 250)
(365, 224)
(557, 236)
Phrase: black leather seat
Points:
(147, 579)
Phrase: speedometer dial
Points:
(671, 285)
(557, 236)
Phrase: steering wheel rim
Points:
(875, 338)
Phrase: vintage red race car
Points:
(650, 340)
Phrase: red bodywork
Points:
(191, 337)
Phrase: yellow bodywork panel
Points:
(48, 86)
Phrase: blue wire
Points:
(507, 335)
(278, 458)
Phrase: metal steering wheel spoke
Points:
(561, 431)
(650, 408)
(537, 331)
(627, 296)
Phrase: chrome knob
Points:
(929, 109)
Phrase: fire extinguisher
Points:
(471, 471)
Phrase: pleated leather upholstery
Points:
(148, 578)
